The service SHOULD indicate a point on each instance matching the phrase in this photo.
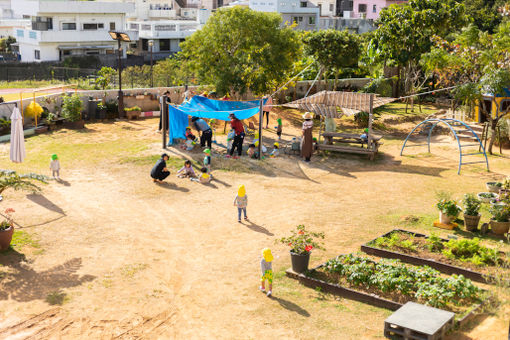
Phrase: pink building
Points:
(370, 9)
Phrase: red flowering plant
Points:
(302, 241)
(5, 224)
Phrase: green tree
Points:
(334, 50)
(484, 13)
(404, 33)
(105, 75)
(239, 49)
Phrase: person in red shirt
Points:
(238, 128)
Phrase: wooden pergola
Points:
(335, 104)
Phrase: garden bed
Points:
(353, 285)
(414, 248)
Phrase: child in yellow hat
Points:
(276, 150)
(266, 265)
(241, 202)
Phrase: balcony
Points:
(31, 36)
(162, 13)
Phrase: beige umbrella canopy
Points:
(18, 152)
(334, 104)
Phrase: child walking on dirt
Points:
(55, 166)
(207, 160)
(279, 128)
(241, 202)
(266, 265)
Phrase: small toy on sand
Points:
(266, 266)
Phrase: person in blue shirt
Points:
(204, 130)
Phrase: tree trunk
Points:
(493, 125)
(336, 80)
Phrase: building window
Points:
(112, 26)
(69, 26)
(32, 35)
(42, 23)
(374, 9)
(146, 27)
(67, 52)
(134, 26)
(92, 27)
(303, 4)
(351, 5)
(311, 20)
(331, 7)
(164, 27)
(20, 33)
(37, 55)
(505, 105)
(164, 44)
(297, 19)
(145, 44)
(362, 8)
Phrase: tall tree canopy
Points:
(239, 49)
(334, 50)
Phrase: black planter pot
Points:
(299, 262)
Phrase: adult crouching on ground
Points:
(307, 140)
(204, 131)
(159, 172)
(238, 128)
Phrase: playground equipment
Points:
(456, 126)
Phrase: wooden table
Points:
(331, 140)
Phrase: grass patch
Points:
(21, 239)
(57, 298)
(130, 270)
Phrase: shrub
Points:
(134, 108)
(500, 213)
(33, 110)
(302, 241)
(361, 119)
(471, 205)
(72, 107)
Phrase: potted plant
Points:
(486, 197)
(494, 186)
(6, 230)
(10, 179)
(71, 111)
(500, 222)
(133, 112)
(471, 211)
(301, 242)
(448, 210)
(101, 108)
(505, 188)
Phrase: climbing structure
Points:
(456, 127)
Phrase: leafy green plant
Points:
(471, 250)
(434, 243)
(302, 241)
(395, 240)
(471, 205)
(500, 213)
(72, 107)
(51, 117)
(423, 283)
(487, 195)
(11, 179)
(448, 207)
(134, 108)
(8, 221)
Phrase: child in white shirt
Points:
(55, 166)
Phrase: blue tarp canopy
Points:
(203, 107)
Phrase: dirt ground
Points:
(120, 257)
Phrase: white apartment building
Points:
(327, 8)
(61, 28)
(302, 12)
(164, 35)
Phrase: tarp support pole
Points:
(261, 117)
(370, 118)
(164, 118)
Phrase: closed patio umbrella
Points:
(18, 153)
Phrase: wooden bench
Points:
(330, 138)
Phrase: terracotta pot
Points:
(471, 222)
(500, 228)
(6, 238)
(445, 219)
(299, 262)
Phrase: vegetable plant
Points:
(72, 107)
(471, 250)
(422, 283)
(500, 213)
(471, 205)
(302, 241)
(448, 207)
(395, 240)
(434, 243)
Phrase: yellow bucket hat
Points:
(266, 254)
(241, 192)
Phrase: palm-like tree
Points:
(11, 179)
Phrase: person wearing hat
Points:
(266, 266)
(55, 166)
(276, 150)
(241, 202)
(238, 128)
(159, 172)
(364, 135)
(307, 140)
(279, 128)
(204, 131)
(207, 160)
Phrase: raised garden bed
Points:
(353, 286)
(421, 255)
